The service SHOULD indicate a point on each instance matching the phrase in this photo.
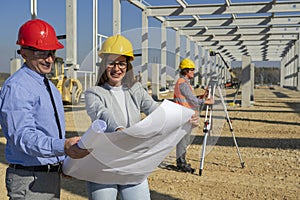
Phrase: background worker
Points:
(185, 96)
(118, 100)
(34, 129)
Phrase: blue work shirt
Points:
(28, 121)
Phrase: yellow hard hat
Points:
(117, 44)
(187, 64)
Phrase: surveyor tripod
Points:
(208, 123)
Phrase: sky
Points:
(15, 12)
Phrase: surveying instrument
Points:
(208, 120)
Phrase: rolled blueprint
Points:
(129, 156)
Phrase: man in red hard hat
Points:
(32, 119)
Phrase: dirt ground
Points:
(268, 137)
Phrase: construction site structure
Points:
(193, 45)
(63, 74)
(69, 88)
(234, 81)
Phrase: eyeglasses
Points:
(191, 69)
(122, 65)
(43, 54)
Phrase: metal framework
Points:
(263, 30)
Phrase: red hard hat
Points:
(38, 34)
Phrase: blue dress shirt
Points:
(28, 121)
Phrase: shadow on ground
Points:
(274, 143)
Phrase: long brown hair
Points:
(128, 79)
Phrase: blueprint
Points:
(129, 156)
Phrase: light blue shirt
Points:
(28, 121)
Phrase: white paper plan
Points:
(129, 156)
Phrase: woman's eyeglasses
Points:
(43, 54)
(122, 65)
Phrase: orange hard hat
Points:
(38, 34)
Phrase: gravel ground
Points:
(268, 137)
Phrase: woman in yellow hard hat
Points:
(184, 95)
(118, 100)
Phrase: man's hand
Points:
(120, 129)
(205, 94)
(194, 120)
(209, 101)
(72, 150)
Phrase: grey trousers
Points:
(183, 144)
(22, 184)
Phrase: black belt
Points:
(42, 168)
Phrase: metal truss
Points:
(263, 30)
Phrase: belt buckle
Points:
(48, 168)
(59, 170)
(13, 166)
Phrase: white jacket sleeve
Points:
(97, 109)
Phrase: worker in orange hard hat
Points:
(32, 119)
(184, 95)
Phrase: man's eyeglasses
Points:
(122, 65)
(43, 54)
